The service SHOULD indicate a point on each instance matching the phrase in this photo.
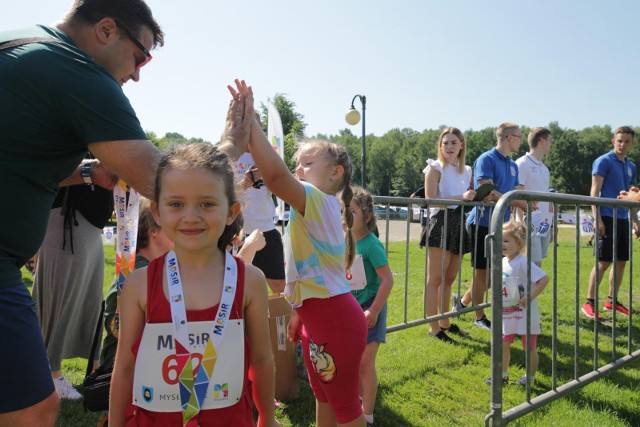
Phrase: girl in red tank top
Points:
(194, 328)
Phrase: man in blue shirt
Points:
(492, 166)
(612, 173)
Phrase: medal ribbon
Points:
(193, 387)
(127, 234)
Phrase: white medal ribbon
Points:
(127, 229)
(179, 318)
(127, 235)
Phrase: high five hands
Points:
(240, 116)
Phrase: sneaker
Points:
(608, 306)
(454, 329)
(442, 336)
(457, 304)
(65, 390)
(483, 323)
(523, 381)
(505, 381)
(587, 310)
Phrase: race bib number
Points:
(510, 291)
(155, 385)
(356, 276)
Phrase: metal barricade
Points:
(391, 205)
(497, 416)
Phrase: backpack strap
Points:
(27, 40)
(96, 340)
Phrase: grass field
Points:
(424, 382)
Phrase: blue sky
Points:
(421, 64)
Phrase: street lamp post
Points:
(353, 117)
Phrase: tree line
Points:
(396, 159)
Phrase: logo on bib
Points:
(147, 394)
(221, 391)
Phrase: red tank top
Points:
(159, 311)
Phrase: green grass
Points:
(424, 382)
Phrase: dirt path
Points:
(398, 231)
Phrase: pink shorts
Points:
(508, 339)
(334, 336)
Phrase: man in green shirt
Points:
(57, 101)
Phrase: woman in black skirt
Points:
(446, 178)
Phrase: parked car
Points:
(395, 212)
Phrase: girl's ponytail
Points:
(350, 254)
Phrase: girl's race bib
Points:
(510, 292)
(156, 384)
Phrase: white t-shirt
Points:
(514, 321)
(452, 183)
(534, 176)
(258, 208)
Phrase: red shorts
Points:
(508, 339)
(334, 336)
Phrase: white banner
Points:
(275, 134)
(542, 222)
(586, 226)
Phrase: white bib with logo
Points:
(155, 385)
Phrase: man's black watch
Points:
(85, 171)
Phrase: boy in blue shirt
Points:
(494, 166)
(612, 173)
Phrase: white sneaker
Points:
(66, 390)
(457, 303)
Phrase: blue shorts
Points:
(26, 376)
(379, 331)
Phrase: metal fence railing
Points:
(390, 207)
(413, 316)
(497, 416)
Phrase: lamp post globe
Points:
(352, 117)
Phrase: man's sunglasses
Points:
(135, 41)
